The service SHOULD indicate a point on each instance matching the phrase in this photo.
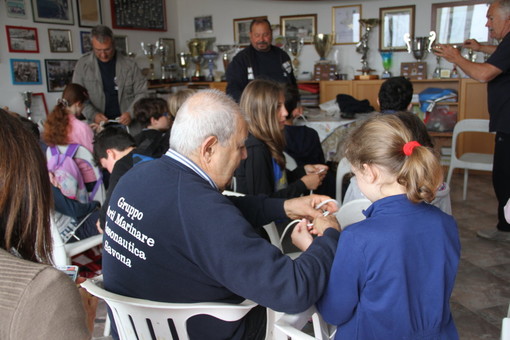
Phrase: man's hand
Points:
(305, 207)
(100, 117)
(472, 44)
(448, 52)
(125, 118)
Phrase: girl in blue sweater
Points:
(394, 272)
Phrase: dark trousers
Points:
(501, 176)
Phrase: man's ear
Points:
(208, 148)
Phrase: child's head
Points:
(73, 94)
(384, 142)
(417, 128)
(177, 99)
(293, 102)
(263, 103)
(152, 113)
(395, 94)
(109, 143)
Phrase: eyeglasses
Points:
(166, 114)
(106, 50)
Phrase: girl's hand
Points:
(301, 238)
(312, 181)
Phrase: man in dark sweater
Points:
(259, 60)
(171, 235)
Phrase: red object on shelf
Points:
(312, 88)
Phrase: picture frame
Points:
(395, 22)
(345, 24)
(131, 15)
(26, 72)
(59, 73)
(53, 12)
(22, 39)
(203, 24)
(242, 30)
(121, 44)
(171, 47)
(60, 40)
(300, 26)
(85, 43)
(39, 107)
(452, 21)
(89, 13)
(15, 9)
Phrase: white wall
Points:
(180, 23)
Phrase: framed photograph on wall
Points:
(26, 72)
(53, 12)
(86, 45)
(39, 108)
(89, 13)
(15, 9)
(395, 22)
(170, 45)
(59, 73)
(242, 30)
(60, 40)
(346, 24)
(22, 39)
(121, 44)
(300, 26)
(132, 15)
(204, 24)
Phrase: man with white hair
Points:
(172, 236)
(496, 73)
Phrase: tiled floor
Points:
(482, 291)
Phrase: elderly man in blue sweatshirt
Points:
(171, 236)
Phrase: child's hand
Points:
(312, 181)
(301, 238)
(321, 223)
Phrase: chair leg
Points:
(107, 330)
(464, 190)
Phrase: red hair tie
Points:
(409, 147)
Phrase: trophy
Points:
(226, 50)
(323, 69)
(149, 50)
(163, 50)
(197, 48)
(210, 57)
(419, 46)
(362, 48)
(293, 45)
(27, 99)
(387, 61)
(183, 60)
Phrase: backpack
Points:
(67, 174)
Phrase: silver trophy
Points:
(27, 99)
(183, 61)
(293, 45)
(362, 46)
(163, 50)
(419, 46)
(210, 57)
(149, 50)
(226, 51)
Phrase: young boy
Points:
(154, 117)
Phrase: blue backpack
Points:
(67, 174)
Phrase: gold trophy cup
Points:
(197, 48)
(323, 69)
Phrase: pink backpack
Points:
(67, 174)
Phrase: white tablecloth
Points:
(323, 122)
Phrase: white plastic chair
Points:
(344, 168)
(290, 162)
(145, 319)
(290, 326)
(352, 212)
(62, 252)
(469, 160)
(86, 155)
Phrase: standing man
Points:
(496, 72)
(171, 236)
(114, 82)
(259, 60)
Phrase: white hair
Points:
(504, 6)
(206, 113)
